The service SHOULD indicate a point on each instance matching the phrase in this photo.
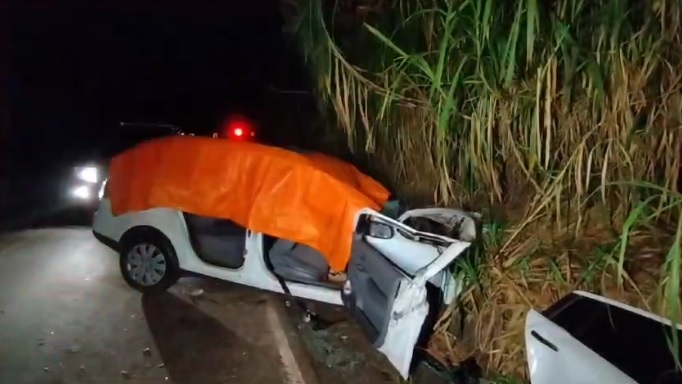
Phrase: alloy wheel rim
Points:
(146, 264)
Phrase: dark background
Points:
(74, 70)
(70, 71)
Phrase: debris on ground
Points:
(161, 365)
(147, 351)
(196, 292)
(74, 349)
(46, 369)
(125, 374)
(432, 371)
(325, 348)
(339, 351)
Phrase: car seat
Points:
(298, 262)
(217, 241)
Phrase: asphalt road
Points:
(66, 316)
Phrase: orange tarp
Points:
(311, 199)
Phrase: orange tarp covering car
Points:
(311, 199)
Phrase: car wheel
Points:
(148, 262)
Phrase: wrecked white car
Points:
(395, 275)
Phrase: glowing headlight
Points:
(82, 192)
(88, 174)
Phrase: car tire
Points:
(148, 261)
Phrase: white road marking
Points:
(291, 367)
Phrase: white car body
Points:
(406, 266)
(588, 339)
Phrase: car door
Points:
(411, 249)
(556, 357)
(588, 339)
(388, 304)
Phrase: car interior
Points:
(635, 344)
(297, 263)
(374, 278)
(220, 242)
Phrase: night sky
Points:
(78, 70)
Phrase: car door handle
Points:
(544, 341)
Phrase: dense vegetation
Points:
(559, 120)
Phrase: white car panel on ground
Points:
(588, 339)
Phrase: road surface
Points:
(67, 317)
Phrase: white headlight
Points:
(82, 192)
(88, 174)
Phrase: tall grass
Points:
(565, 113)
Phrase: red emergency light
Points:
(238, 129)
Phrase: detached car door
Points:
(388, 304)
(588, 339)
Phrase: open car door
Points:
(389, 303)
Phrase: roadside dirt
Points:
(337, 355)
(340, 353)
